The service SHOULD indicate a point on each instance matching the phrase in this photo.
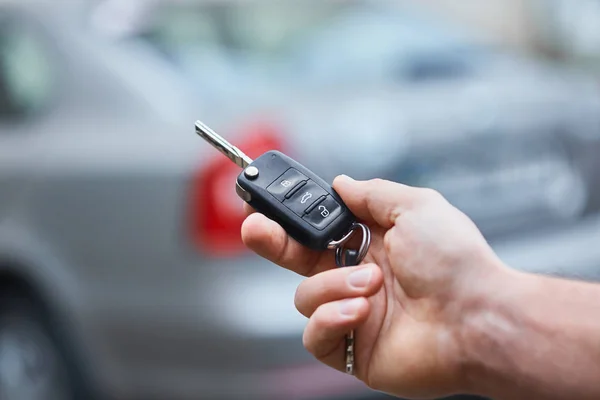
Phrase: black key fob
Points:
(287, 192)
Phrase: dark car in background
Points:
(121, 268)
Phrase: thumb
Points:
(375, 200)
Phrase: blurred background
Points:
(122, 274)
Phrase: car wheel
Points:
(33, 365)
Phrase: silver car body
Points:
(94, 194)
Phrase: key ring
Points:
(340, 261)
(362, 250)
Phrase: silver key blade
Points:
(218, 142)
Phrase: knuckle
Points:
(280, 256)
(319, 319)
(307, 343)
(310, 294)
(298, 299)
(431, 194)
(376, 182)
(311, 341)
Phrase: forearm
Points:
(534, 337)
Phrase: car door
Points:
(25, 92)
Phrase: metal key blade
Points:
(218, 142)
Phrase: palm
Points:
(372, 338)
(397, 327)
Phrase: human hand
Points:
(427, 266)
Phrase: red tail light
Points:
(216, 210)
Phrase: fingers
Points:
(375, 200)
(324, 334)
(337, 284)
(248, 209)
(268, 239)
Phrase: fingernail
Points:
(361, 278)
(346, 178)
(350, 307)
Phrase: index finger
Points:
(269, 240)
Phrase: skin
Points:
(436, 312)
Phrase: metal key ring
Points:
(334, 244)
(338, 245)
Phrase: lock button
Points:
(323, 213)
(288, 181)
(304, 198)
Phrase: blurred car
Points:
(512, 141)
(121, 268)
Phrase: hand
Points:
(407, 301)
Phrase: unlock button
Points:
(323, 214)
(304, 197)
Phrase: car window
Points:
(25, 70)
(254, 44)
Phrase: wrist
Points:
(488, 323)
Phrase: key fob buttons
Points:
(304, 198)
(285, 183)
(323, 214)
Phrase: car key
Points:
(307, 208)
(285, 191)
